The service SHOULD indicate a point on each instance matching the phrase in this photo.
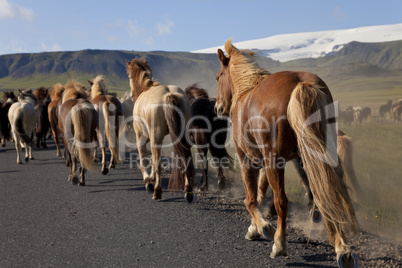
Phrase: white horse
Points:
(22, 118)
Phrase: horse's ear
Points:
(90, 82)
(222, 57)
(127, 62)
(20, 90)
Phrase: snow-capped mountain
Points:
(287, 47)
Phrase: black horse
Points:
(208, 132)
(42, 124)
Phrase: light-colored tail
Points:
(175, 113)
(111, 129)
(308, 112)
(19, 127)
(82, 120)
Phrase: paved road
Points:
(112, 222)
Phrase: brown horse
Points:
(56, 94)
(41, 108)
(158, 111)
(110, 114)
(77, 123)
(208, 133)
(275, 118)
(385, 108)
(397, 112)
(5, 126)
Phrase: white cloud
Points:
(165, 28)
(9, 11)
(54, 47)
(137, 31)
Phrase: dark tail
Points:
(176, 113)
(5, 127)
(19, 128)
(217, 144)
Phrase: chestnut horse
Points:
(22, 118)
(158, 111)
(53, 114)
(208, 133)
(275, 118)
(110, 114)
(77, 123)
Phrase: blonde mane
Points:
(98, 87)
(74, 90)
(140, 75)
(56, 92)
(245, 72)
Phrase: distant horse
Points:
(208, 132)
(110, 112)
(357, 114)
(385, 108)
(158, 111)
(41, 108)
(398, 102)
(5, 126)
(77, 123)
(275, 118)
(56, 94)
(22, 118)
(366, 114)
(346, 116)
(397, 112)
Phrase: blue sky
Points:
(173, 25)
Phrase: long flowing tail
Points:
(111, 129)
(175, 115)
(19, 127)
(316, 140)
(82, 121)
(345, 152)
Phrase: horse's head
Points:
(98, 86)
(26, 95)
(140, 75)
(225, 86)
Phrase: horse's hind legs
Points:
(203, 153)
(82, 177)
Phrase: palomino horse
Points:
(208, 132)
(22, 118)
(77, 123)
(53, 113)
(42, 124)
(276, 117)
(5, 127)
(158, 111)
(110, 113)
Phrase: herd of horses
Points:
(274, 118)
(358, 115)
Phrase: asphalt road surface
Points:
(112, 222)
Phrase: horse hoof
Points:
(190, 198)
(26, 159)
(221, 184)
(81, 184)
(347, 262)
(252, 234)
(204, 188)
(105, 170)
(74, 180)
(149, 187)
(157, 195)
(268, 232)
(315, 215)
(278, 254)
